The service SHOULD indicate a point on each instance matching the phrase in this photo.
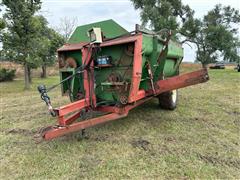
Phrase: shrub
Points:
(7, 74)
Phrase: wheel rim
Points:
(174, 96)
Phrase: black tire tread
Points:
(165, 101)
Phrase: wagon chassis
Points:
(67, 115)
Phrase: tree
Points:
(2, 24)
(67, 26)
(50, 41)
(218, 36)
(170, 14)
(22, 33)
(56, 40)
(215, 35)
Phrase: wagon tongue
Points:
(66, 124)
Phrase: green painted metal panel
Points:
(169, 68)
(76, 83)
(152, 47)
(174, 50)
(121, 66)
(109, 28)
(148, 50)
(122, 63)
(147, 44)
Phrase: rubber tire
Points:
(167, 100)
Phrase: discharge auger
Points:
(111, 71)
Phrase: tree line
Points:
(26, 37)
(28, 40)
(215, 35)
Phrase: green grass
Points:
(200, 139)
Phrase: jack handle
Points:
(43, 91)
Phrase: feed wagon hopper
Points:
(105, 69)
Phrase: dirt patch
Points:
(220, 161)
(88, 163)
(101, 138)
(207, 122)
(141, 143)
(236, 122)
(234, 113)
(25, 132)
(170, 139)
(76, 136)
(90, 160)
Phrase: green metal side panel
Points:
(174, 50)
(121, 65)
(168, 66)
(109, 28)
(76, 83)
(151, 50)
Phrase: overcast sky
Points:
(121, 11)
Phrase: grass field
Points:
(200, 139)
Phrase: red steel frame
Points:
(136, 96)
(137, 69)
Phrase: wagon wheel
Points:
(168, 100)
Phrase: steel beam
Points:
(78, 105)
(182, 81)
(60, 131)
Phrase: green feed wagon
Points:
(107, 71)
